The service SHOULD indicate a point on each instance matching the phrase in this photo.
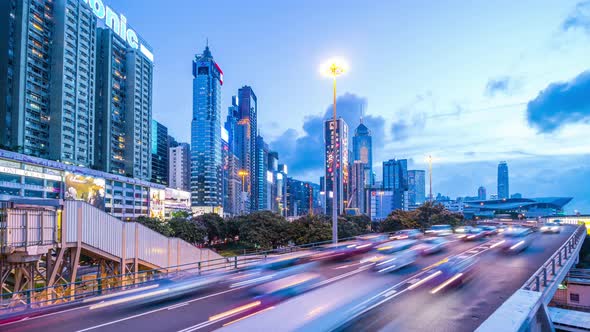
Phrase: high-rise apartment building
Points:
(503, 183)
(47, 71)
(179, 167)
(259, 195)
(416, 187)
(159, 149)
(246, 135)
(336, 149)
(358, 185)
(362, 148)
(123, 107)
(206, 159)
(395, 179)
(481, 193)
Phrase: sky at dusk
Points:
(471, 83)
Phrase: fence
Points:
(84, 289)
(547, 274)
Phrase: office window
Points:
(574, 297)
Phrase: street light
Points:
(430, 174)
(334, 68)
(243, 173)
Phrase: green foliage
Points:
(212, 223)
(188, 230)
(263, 229)
(157, 225)
(180, 215)
(309, 229)
(422, 218)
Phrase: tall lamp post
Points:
(430, 174)
(334, 68)
(243, 173)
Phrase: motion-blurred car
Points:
(407, 234)
(431, 245)
(455, 271)
(550, 227)
(515, 239)
(474, 233)
(489, 230)
(288, 286)
(440, 230)
(502, 228)
(339, 251)
(283, 261)
(396, 261)
(462, 231)
(395, 246)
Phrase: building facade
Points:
(160, 151)
(123, 197)
(260, 187)
(123, 108)
(47, 79)
(206, 159)
(395, 179)
(179, 167)
(336, 149)
(416, 187)
(362, 148)
(481, 193)
(247, 133)
(503, 183)
(358, 186)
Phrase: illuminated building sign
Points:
(118, 23)
(85, 188)
(17, 171)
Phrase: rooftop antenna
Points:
(361, 113)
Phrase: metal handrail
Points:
(538, 282)
(99, 286)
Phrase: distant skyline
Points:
(469, 83)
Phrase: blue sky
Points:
(471, 83)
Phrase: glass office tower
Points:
(206, 159)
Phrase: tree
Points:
(347, 229)
(188, 230)
(263, 229)
(310, 229)
(213, 225)
(156, 224)
(180, 214)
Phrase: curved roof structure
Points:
(520, 203)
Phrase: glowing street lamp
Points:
(243, 173)
(334, 68)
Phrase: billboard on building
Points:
(157, 198)
(85, 188)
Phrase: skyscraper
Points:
(395, 179)
(416, 187)
(233, 204)
(206, 160)
(260, 193)
(358, 184)
(481, 193)
(123, 107)
(246, 139)
(337, 149)
(179, 167)
(503, 186)
(362, 148)
(159, 147)
(47, 69)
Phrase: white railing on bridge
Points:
(526, 309)
(96, 229)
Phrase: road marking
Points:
(178, 306)
(156, 310)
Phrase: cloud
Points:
(561, 103)
(412, 117)
(501, 85)
(304, 154)
(579, 18)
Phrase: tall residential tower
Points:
(337, 149)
